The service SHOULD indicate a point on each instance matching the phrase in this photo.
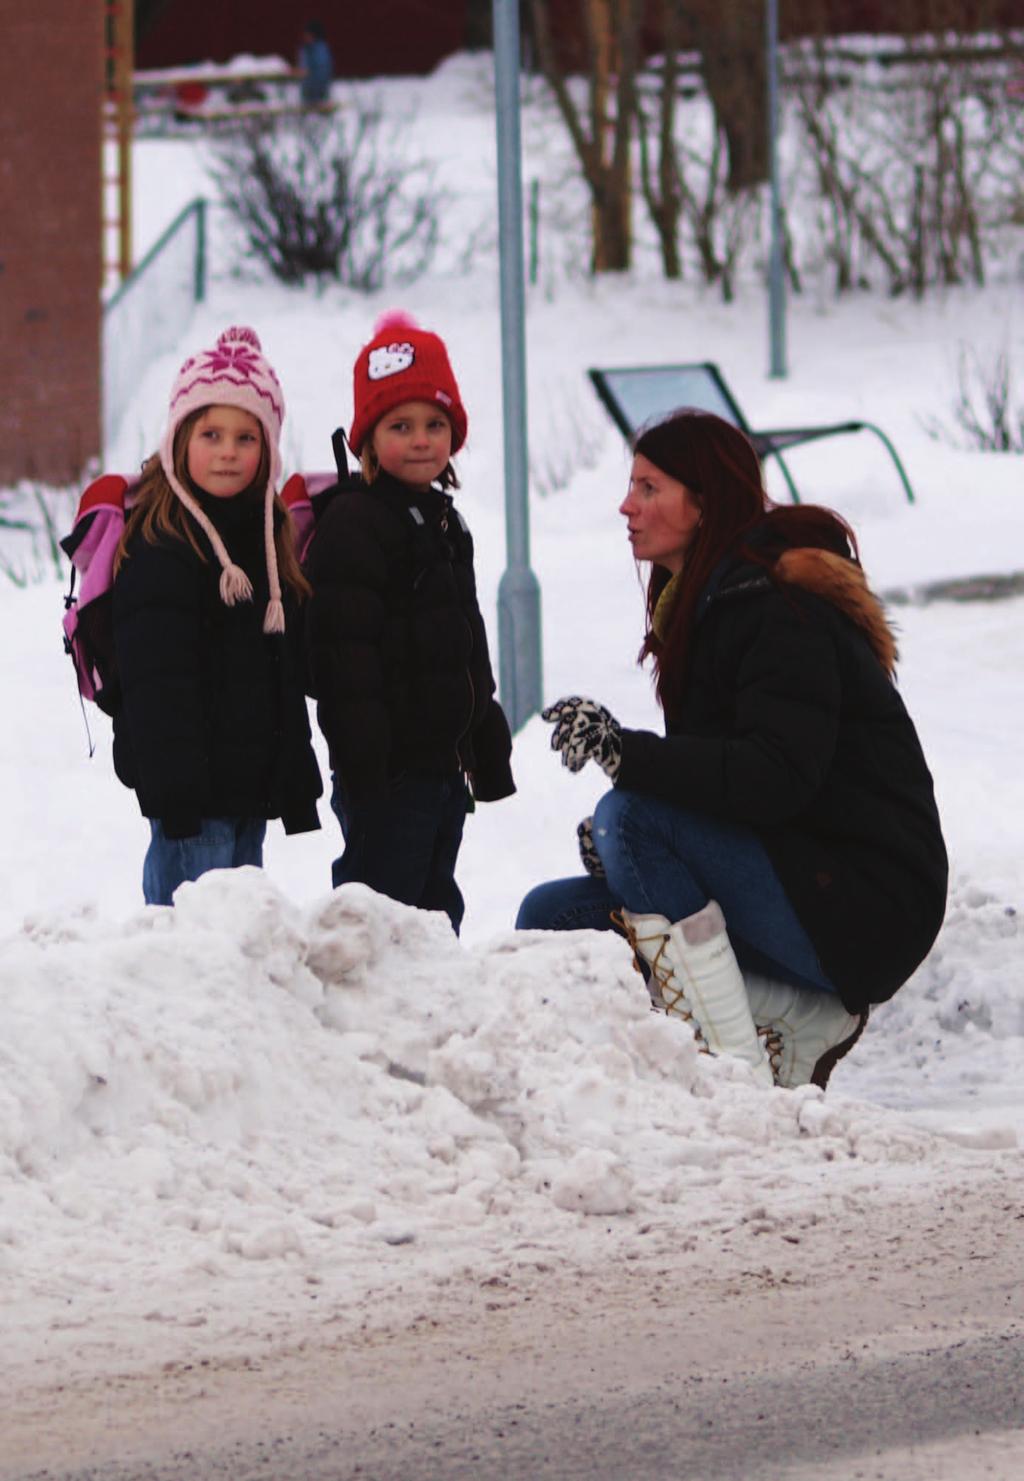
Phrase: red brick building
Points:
(50, 79)
(393, 37)
(367, 39)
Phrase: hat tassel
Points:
(235, 585)
(273, 621)
(273, 618)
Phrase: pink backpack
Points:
(297, 496)
(91, 547)
(88, 623)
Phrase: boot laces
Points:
(671, 999)
(772, 1046)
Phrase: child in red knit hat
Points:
(397, 644)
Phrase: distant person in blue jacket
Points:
(316, 63)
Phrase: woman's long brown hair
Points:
(719, 466)
(157, 510)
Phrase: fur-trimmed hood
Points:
(843, 583)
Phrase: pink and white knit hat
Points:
(234, 373)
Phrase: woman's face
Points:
(662, 515)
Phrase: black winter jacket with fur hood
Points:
(789, 722)
(397, 645)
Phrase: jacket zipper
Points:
(472, 705)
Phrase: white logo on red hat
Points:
(390, 359)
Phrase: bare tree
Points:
(602, 131)
(660, 180)
(730, 37)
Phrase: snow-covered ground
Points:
(272, 1101)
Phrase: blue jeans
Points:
(221, 843)
(405, 843)
(665, 860)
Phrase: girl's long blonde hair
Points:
(158, 512)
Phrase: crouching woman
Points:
(775, 858)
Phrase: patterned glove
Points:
(585, 731)
(588, 853)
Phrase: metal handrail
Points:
(195, 208)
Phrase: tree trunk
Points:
(479, 35)
(731, 41)
(611, 209)
(664, 200)
(602, 137)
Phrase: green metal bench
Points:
(637, 394)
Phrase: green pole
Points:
(519, 632)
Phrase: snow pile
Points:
(230, 1078)
(956, 1032)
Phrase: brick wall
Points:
(50, 78)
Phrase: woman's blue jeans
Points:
(221, 843)
(660, 859)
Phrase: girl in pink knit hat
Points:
(398, 648)
(211, 729)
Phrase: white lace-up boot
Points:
(695, 976)
(805, 1032)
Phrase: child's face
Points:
(224, 451)
(413, 442)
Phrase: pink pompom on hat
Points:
(234, 373)
(403, 362)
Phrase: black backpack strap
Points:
(339, 446)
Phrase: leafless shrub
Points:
(916, 163)
(330, 197)
(984, 410)
(720, 222)
(570, 439)
(31, 519)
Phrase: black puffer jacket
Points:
(397, 646)
(789, 722)
(213, 719)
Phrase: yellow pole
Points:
(124, 67)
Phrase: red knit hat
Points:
(403, 362)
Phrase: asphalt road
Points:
(883, 1344)
(840, 1420)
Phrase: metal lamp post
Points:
(519, 633)
(776, 274)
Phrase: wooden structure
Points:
(118, 128)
